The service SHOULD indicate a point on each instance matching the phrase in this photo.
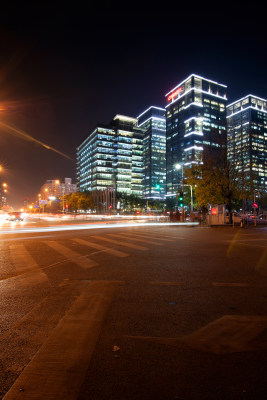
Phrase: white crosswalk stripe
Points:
(25, 264)
(120, 243)
(76, 258)
(128, 236)
(156, 237)
(97, 246)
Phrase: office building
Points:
(153, 121)
(195, 122)
(56, 188)
(111, 156)
(247, 138)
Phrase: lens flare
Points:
(23, 135)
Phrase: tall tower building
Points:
(153, 121)
(111, 156)
(195, 121)
(247, 138)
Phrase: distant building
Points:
(195, 121)
(56, 188)
(247, 138)
(111, 157)
(153, 121)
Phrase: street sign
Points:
(43, 201)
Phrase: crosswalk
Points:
(30, 272)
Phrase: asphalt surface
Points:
(137, 312)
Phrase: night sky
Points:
(64, 69)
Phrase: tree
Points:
(79, 201)
(217, 181)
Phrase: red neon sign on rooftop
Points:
(175, 93)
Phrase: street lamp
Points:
(181, 198)
(178, 167)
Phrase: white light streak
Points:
(194, 133)
(243, 98)
(196, 118)
(197, 76)
(197, 90)
(194, 147)
(244, 109)
(157, 108)
(91, 226)
(153, 118)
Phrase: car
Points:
(15, 216)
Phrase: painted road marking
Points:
(134, 239)
(97, 246)
(81, 261)
(229, 334)
(234, 284)
(25, 264)
(150, 237)
(166, 283)
(58, 369)
(22, 259)
(132, 246)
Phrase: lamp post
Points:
(63, 206)
(181, 166)
(178, 167)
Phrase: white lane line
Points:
(149, 236)
(120, 243)
(97, 246)
(25, 264)
(76, 258)
(58, 369)
(134, 239)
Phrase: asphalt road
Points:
(139, 312)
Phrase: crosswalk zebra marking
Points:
(76, 258)
(25, 265)
(97, 246)
(58, 369)
(164, 239)
(120, 243)
(128, 236)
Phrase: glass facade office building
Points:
(195, 121)
(247, 138)
(153, 121)
(111, 156)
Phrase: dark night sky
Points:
(63, 70)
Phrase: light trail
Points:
(92, 226)
(19, 133)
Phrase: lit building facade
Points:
(56, 188)
(195, 122)
(112, 156)
(247, 138)
(153, 121)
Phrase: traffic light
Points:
(157, 186)
(181, 199)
